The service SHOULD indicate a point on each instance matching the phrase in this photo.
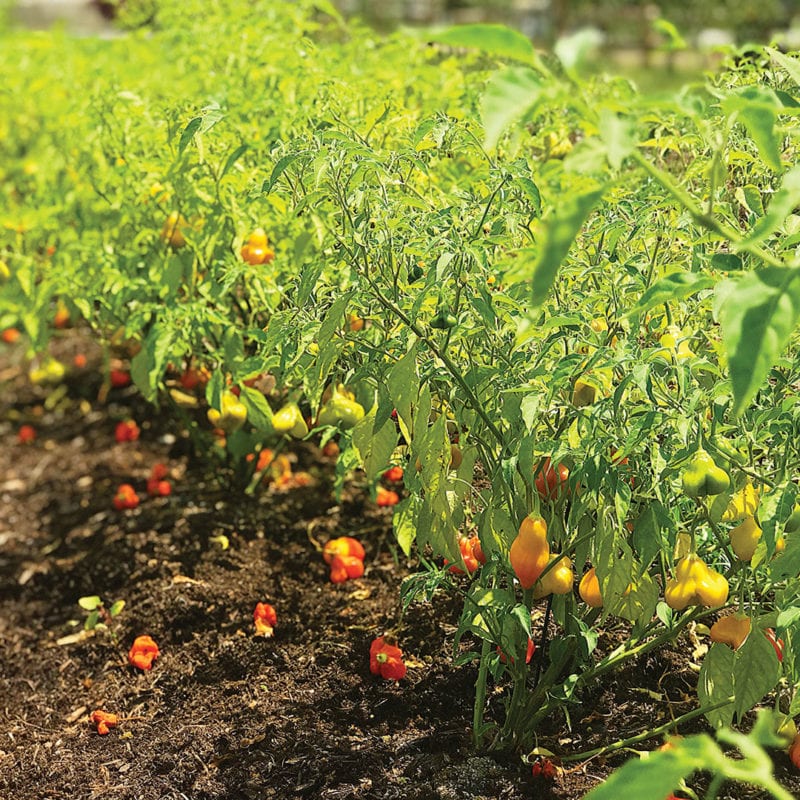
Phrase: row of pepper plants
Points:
(568, 310)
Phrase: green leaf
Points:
(618, 135)
(404, 522)
(756, 671)
(232, 159)
(510, 94)
(192, 127)
(674, 39)
(116, 608)
(259, 413)
(675, 286)
(782, 204)
(403, 385)
(573, 50)
(560, 231)
(497, 40)
(758, 313)
(90, 602)
(375, 446)
(790, 65)
(756, 108)
(716, 682)
(654, 777)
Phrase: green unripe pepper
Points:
(443, 320)
(414, 273)
(793, 523)
(703, 477)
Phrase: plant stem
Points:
(649, 734)
(480, 694)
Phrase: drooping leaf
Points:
(757, 108)
(758, 313)
(497, 40)
(780, 206)
(715, 682)
(756, 671)
(560, 231)
(510, 94)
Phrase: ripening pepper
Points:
(695, 584)
(289, 419)
(743, 504)
(732, 630)
(558, 580)
(256, 249)
(342, 546)
(794, 751)
(343, 568)
(702, 477)
(793, 523)
(530, 551)
(386, 660)
(551, 480)
(232, 414)
(468, 555)
(340, 409)
(386, 497)
(589, 589)
(745, 538)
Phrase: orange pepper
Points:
(143, 653)
(103, 721)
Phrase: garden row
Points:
(565, 310)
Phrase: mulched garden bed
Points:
(224, 713)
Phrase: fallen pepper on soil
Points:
(26, 434)
(386, 660)
(143, 653)
(265, 619)
(127, 431)
(125, 497)
(103, 721)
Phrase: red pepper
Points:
(344, 568)
(125, 497)
(393, 475)
(144, 651)
(127, 431)
(386, 660)
(531, 649)
(387, 497)
(26, 434)
(265, 619)
(119, 378)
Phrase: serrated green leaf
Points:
(758, 313)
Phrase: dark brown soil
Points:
(224, 713)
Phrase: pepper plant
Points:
(545, 296)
